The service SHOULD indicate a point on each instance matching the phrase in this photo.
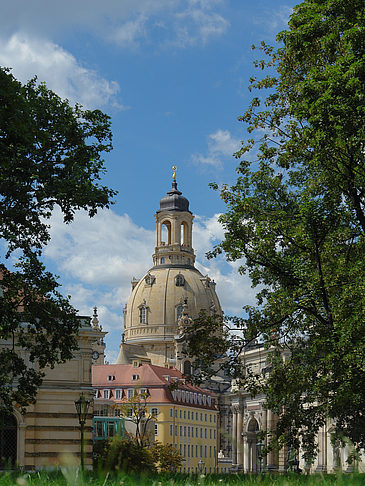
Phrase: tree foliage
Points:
(296, 218)
(126, 454)
(50, 156)
(123, 454)
(136, 410)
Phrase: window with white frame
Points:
(156, 429)
(154, 412)
(130, 393)
(135, 377)
(106, 394)
(118, 394)
(143, 391)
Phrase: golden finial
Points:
(174, 168)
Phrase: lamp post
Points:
(201, 466)
(259, 447)
(82, 406)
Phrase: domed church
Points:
(170, 293)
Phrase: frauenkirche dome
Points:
(172, 285)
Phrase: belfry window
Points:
(179, 281)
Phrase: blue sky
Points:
(173, 75)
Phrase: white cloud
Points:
(234, 290)
(31, 56)
(221, 144)
(129, 33)
(198, 23)
(106, 250)
(274, 20)
(180, 23)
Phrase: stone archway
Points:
(8, 440)
(252, 457)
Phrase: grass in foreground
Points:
(73, 477)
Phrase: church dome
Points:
(174, 201)
(156, 303)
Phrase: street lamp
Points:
(82, 406)
(201, 466)
(259, 447)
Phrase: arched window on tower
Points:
(166, 233)
(184, 231)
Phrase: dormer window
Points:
(135, 377)
(111, 377)
(149, 279)
(179, 281)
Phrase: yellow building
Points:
(184, 416)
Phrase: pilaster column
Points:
(346, 467)
(322, 450)
(239, 437)
(234, 436)
(264, 428)
(272, 460)
(246, 454)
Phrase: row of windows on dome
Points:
(179, 280)
(144, 309)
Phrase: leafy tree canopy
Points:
(296, 218)
(50, 156)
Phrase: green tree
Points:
(295, 217)
(123, 454)
(136, 410)
(166, 457)
(50, 156)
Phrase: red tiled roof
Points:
(149, 376)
